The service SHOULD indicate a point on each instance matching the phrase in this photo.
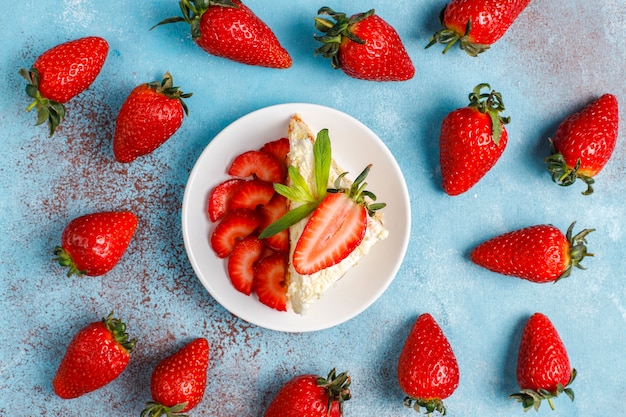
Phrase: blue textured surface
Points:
(558, 56)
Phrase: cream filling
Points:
(304, 290)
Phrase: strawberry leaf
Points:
(322, 154)
(289, 219)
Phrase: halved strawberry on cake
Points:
(333, 222)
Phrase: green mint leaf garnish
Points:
(323, 158)
(290, 218)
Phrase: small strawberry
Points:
(151, 114)
(311, 396)
(336, 227)
(251, 194)
(270, 281)
(178, 382)
(61, 73)
(537, 253)
(256, 164)
(543, 368)
(235, 225)
(427, 368)
(584, 143)
(97, 355)
(476, 24)
(229, 29)
(220, 196)
(94, 243)
(241, 263)
(471, 140)
(364, 46)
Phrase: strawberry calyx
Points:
(336, 31)
(337, 387)
(430, 405)
(357, 191)
(48, 110)
(533, 398)
(563, 174)
(65, 259)
(578, 249)
(192, 11)
(118, 331)
(167, 88)
(450, 37)
(154, 409)
(490, 103)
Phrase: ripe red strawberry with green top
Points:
(476, 24)
(229, 29)
(97, 355)
(471, 141)
(543, 368)
(336, 227)
(539, 253)
(428, 371)
(94, 243)
(311, 396)
(151, 114)
(178, 382)
(364, 46)
(584, 143)
(61, 73)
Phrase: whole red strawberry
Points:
(476, 24)
(537, 253)
(364, 46)
(543, 368)
(229, 29)
(178, 382)
(60, 74)
(584, 143)
(94, 243)
(471, 141)
(311, 396)
(428, 371)
(151, 114)
(96, 356)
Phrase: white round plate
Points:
(354, 146)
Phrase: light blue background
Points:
(559, 55)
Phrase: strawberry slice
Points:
(335, 229)
(234, 226)
(241, 263)
(276, 208)
(278, 149)
(256, 164)
(220, 196)
(269, 281)
(251, 194)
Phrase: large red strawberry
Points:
(311, 396)
(229, 29)
(476, 24)
(584, 143)
(428, 371)
(471, 141)
(151, 114)
(543, 368)
(537, 253)
(97, 355)
(178, 382)
(364, 46)
(336, 227)
(94, 243)
(62, 73)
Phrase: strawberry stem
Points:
(491, 104)
(47, 110)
